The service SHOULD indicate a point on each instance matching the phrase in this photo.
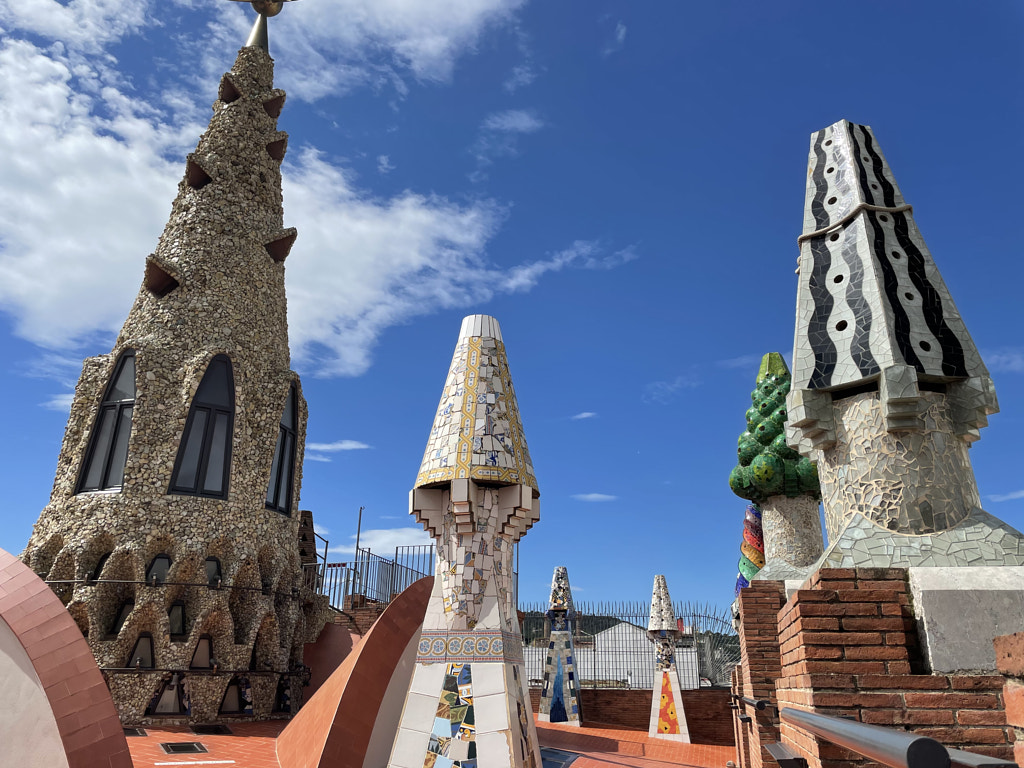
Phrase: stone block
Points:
(960, 611)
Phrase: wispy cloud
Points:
(594, 497)
(384, 164)
(499, 137)
(317, 457)
(317, 528)
(60, 403)
(582, 254)
(1005, 361)
(998, 497)
(664, 392)
(525, 72)
(583, 415)
(618, 40)
(337, 445)
(384, 540)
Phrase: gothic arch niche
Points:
(270, 569)
(190, 600)
(146, 619)
(171, 698)
(114, 591)
(62, 576)
(159, 544)
(203, 463)
(266, 650)
(187, 569)
(93, 558)
(80, 613)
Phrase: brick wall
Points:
(760, 664)
(707, 711)
(847, 643)
(1010, 662)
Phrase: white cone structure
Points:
(468, 702)
(560, 696)
(668, 719)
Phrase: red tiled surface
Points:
(602, 745)
(331, 648)
(251, 745)
(333, 728)
(85, 714)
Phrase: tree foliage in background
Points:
(767, 466)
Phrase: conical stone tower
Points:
(475, 493)
(560, 695)
(668, 718)
(172, 529)
(888, 390)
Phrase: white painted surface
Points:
(28, 730)
(390, 713)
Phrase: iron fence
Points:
(370, 577)
(613, 650)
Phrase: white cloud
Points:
(319, 529)
(79, 24)
(383, 541)
(582, 254)
(60, 403)
(1013, 495)
(317, 457)
(520, 77)
(1005, 361)
(663, 392)
(499, 137)
(618, 41)
(583, 415)
(338, 445)
(593, 497)
(384, 164)
(513, 121)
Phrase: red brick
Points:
(915, 682)
(871, 623)
(981, 717)
(877, 652)
(833, 573)
(857, 700)
(977, 682)
(964, 736)
(869, 596)
(952, 700)
(1010, 654)
(842, 638)
(897, 667)
(1013, 696)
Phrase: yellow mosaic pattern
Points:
(477, 432)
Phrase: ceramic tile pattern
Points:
(668, 719)
(888, 388)
(470, 623)
(224, 244)
(560, 698)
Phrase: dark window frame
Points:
(117, 408)
(210, 413)
(178, 636)
(216, 581)
(119, 622)
(287, 442)
(195, 650)
(149, 569)
(152, 651)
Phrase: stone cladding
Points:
(213, 286)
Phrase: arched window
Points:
(158, 570)
(122, 616)
(204, 456)
(142, 653)
(93, 577)
(213, 573)
(103, 468)
(169, 698)
(202, 657)
(176, 620)
(282, 471)
(237, 698)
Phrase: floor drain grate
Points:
(134, 731)
(182, 748)
(211, 730)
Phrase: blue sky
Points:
(620, 184)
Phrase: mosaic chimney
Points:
(476, 495)
(172, 529)
(560, 694)
(888, 390)
(668, 718)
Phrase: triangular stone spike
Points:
(668, 718)
(468, 702)
(560, 695)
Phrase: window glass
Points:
(168, 700)
(212, 571)
(122, 616)
(201, 656)
(98, 570)
(232, 698)
(204, 456)
(275, 470)
(103, 468)
(158, 569)
(282, 469)
(176, 618)
(142, 654)
(288, 420)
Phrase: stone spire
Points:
(668, 718)
(888, 388)
(560, 694)
(181, 460)
(468, 698)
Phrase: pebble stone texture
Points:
(560, 696)
(668, 719)
(476, 495)
(214, 285)
(888, 388)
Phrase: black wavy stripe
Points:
(888, 190)
(860, 347)
(821, 217)
(931, 303)
(890, 284)
(865, 185)
(817, 328)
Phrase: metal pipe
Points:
(971, 760)
(893, 748)
(758, 704)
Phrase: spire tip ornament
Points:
(258, 37)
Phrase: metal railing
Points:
(613, 649)
(370, 577)
(896, 749)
